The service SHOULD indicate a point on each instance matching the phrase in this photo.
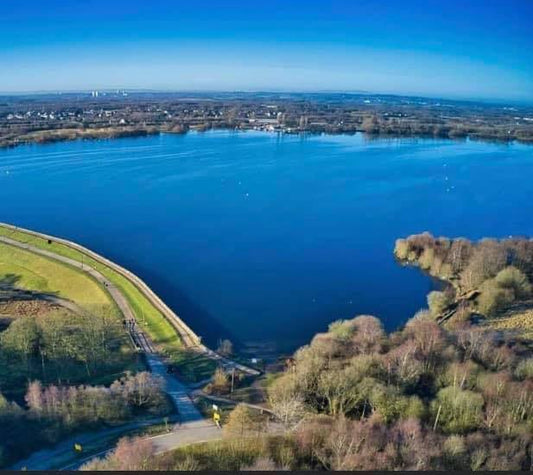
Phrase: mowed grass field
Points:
(26, 270)
(157, 326)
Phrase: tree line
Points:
(51, 412)
(357, 398)
(62, 347)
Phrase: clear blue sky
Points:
(452, 48)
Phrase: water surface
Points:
(266, 239)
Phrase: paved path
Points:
(192, 427)
(177, 391)
(62, 453)
(187, 434)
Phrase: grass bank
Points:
(192, 366)
(26, 270)
(159, 329)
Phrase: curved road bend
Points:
(62, 455)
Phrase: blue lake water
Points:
(266, 239)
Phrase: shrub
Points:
(130, 454)
(220, 383)
(512, 278)
(401, 249)
(225, 347)
(438, 302)
(422, 314)
(455, 452)
(342, 329)
(262, 464)
(457, 411)
(427, 258)
(287, 400)
(141, 390)
(389, 404)
(524, 369)
(493, 298)
(243, 421)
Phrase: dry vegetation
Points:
(55, 411)
(423, 398)
(61, 135)
(491, 278)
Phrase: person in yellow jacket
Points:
(216, 418)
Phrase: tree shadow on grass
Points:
(10, 291)
(9, 281)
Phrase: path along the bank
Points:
(177, 391)
(193, 428)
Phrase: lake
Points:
(266, 239)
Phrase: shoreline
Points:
(52, 136)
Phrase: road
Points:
(62, 453)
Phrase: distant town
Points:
(103, 114)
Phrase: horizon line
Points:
(133, 90)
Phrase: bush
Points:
(514, 279)
(220, 384)
(455, 452)
(438, 302)
(133, 454)
(524, 369)
(223, 455)
(401, 249)
(225, 347)
(422, 314)
(244, 421)
(262, 464)
(457, 411)
(427, 258)
(493, 298)
(342, 329)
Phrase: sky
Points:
(444, 48)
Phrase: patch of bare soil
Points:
(24, 308)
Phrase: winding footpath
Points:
(192, 428)
(178, 392)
